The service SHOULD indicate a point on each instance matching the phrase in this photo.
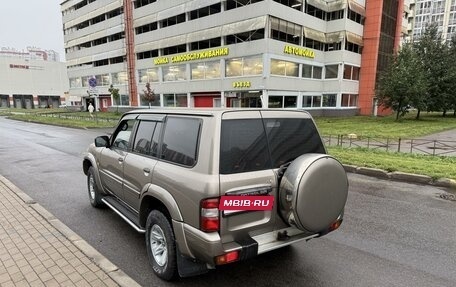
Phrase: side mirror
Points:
(102, 141)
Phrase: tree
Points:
(452, 73)
(149, 95)
(433, 53)
(403, 83)
(115, 95)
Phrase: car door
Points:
(111, 160)
(140, 162)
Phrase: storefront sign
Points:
(299, 51)
(13, 66)
(198, 55)
(242, 84)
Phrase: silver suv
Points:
(167, 171)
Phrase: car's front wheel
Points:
(94, 194)
(161, 245)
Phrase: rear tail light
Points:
(227, 258)
(209, 219)
(336, 224)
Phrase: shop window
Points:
(175, 73)
(311, 101)
(103, 80)
(75, 83)
(284, 68)
(282, 102)
(119, 78)
(205, 70)
(180, 140)
(331, 71)
(329, 100)
(148, 75)
(175, 100)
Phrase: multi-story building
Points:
(424, 12)
(32, 78)
(315, 54)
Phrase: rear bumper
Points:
(204, 247)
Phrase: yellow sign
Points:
(199, 55)
(299, 51)
(242, 84)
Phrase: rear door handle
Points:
(120, 159)
(146, 170)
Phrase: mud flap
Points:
(188, 267)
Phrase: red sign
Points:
(249, 202)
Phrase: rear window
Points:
(249, 145)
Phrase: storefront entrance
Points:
(206, 100)
(250, 99)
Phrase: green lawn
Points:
(386, 127)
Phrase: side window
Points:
(144, 137)
(243, 146)
(180, 140)
(122, 138)
(155, 138)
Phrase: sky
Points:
(36, 23)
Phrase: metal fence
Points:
(418, 146)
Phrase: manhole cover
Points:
(448, 196)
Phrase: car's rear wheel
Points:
(94, 194)
(161, 245)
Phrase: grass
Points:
(81, 122)
(433, 166)
(386, 127)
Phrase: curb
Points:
(107, 266)
(402, 176)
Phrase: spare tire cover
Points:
(313, 192)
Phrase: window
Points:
(148, 75)
(205, 11)
(175, 49)
(146, 28)
(243, 146)
(312, 72)
(349, 100)
(175, 100)
(205, 70)
(331, 71)
(285, 31)
(313, 44)
(172, 20)
(140, 3)
(329, 100)
(351, 72)
(144, 137)
(311, 101)
(147, 54)
(233, 4)
(175, 73)
(295, 4)
(290, 138)
(122, 137)
(244, 66)
(180, 140)
(210, 43)
(119, 78)
(284, 68)
(244, 37)
(282, 102)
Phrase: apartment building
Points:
(32, 78)
(424, 12)
(317, 55)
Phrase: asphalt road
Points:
(394, 234)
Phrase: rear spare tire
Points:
(313, 192)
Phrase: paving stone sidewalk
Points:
(36, 249)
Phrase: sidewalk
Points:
(36, 249)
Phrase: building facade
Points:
(315, 54)
(33, 78)
(424, 12)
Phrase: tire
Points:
(161, 246)
(94, 194)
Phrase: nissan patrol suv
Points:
(167, 171)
